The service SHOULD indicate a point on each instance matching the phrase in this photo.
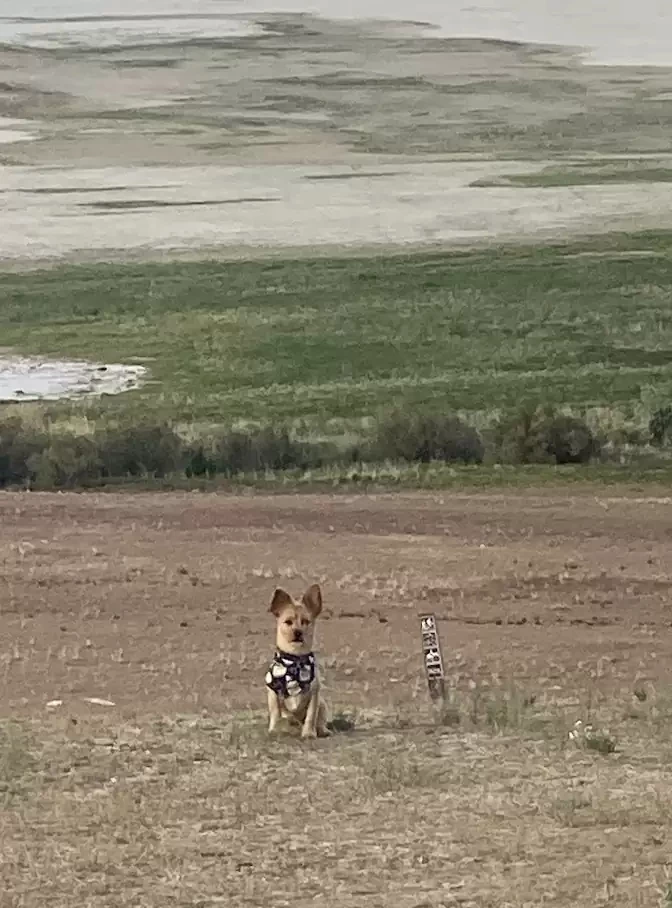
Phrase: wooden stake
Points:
(431, 652)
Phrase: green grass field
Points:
(328, 343)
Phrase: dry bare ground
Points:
(553, 608)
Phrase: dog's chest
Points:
(291, 677)
(296, 706)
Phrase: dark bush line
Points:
(30, 458)
(423, 438)
(266, 449)
(660, 426)
(36, 459)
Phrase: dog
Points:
(292, 679)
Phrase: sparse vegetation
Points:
(636, 171)
(192, 787)
(156, 604)
(660, 426)
(16, 760)
(37, 458)
(324, 347)
(295, 366)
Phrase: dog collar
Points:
(289, 675)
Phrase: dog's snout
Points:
(298, 636)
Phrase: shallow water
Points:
(621, 31)
(29, 378)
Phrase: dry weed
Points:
(198, 811)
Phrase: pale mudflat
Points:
(309, 132)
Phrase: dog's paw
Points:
(308, 733)
(323, 733)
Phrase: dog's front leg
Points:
(309, 729)
(273, 710)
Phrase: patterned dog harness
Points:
(290, 675)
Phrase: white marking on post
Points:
(432, 658)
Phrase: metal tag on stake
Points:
(431, 652)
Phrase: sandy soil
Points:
(158, 602)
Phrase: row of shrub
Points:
(532, 435)
(40, 458)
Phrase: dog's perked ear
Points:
(312, 599)
(279, 601)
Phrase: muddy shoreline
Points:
(318, 134)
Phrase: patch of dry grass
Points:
(16, 760)
(554, 610)
(196, 811)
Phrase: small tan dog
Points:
(292, 680)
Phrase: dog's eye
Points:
(288, 621)
(305, 622)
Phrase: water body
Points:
(610, 31)
(29, 378)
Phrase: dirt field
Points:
(553, 609)
(159, 602)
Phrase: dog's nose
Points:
(298, 637)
